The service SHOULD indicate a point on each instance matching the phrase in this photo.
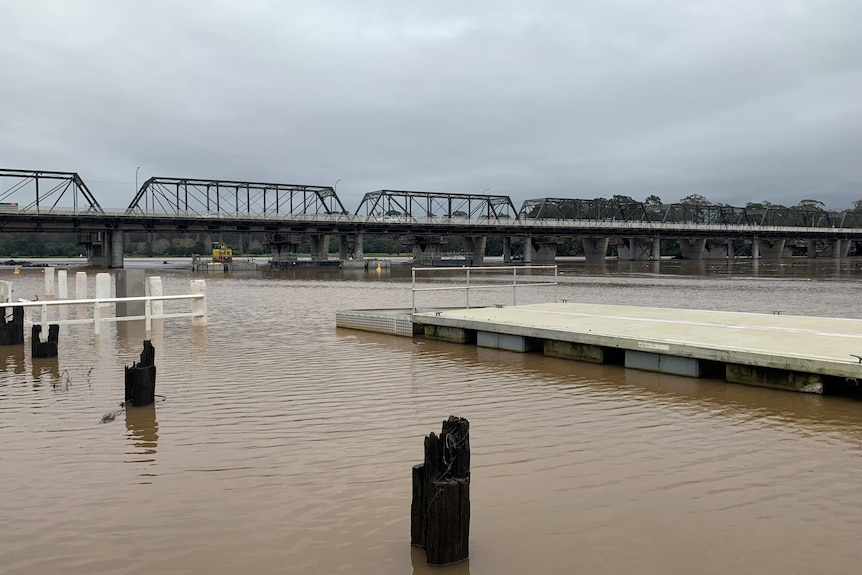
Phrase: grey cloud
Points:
(734, 100)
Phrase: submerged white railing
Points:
(153, 309)
(467, 287)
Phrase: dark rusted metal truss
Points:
(601, 209)
(194, 197)
(400, 203)
(44, 192)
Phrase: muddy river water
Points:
(285, 445)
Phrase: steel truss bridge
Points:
(52, 201)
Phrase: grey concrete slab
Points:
(797, 343)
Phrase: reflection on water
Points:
(46, 370)
(421, 567)
(286, 445)
(12, 358)
(143, 432)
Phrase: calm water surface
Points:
(285, 445)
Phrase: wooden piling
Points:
(39, 348)
(440, 509)
(12, 331)
(141, 377)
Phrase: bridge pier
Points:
(595, 248)
(104, 249)
(639, 249)
(118, 247)
(692, 249)
(474, 249)
(344, 247)
(319, 244)
(771, 249)
(283, 248)
(543, 250)
(833, 247)
(427, 250)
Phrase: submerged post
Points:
(12, 326)
(141, 377)
(11, 322)
(46, 348)
(440, 510)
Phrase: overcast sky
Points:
(736, 100)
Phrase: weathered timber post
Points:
(141, 377)
(440, 511)
(12, 331)
(48, 348)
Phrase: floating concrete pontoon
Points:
(780, 351)
(798, 353)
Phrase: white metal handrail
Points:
(98, 303)
(468, 286)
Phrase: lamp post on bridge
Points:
(335, 187)
(136, 187)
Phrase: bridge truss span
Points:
(215, 198)
(39, 192)
(394, 205)
(602, 211)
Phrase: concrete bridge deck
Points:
(812, 354)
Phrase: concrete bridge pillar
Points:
(427, 250)
(544, 250)
(283, 248)
(118, 247)
(692, 249)
(595, 248)
(626, 249)
(344, 247)
(731, 249)
(716, 249)
(840, 248)
(843, 248)
(343, 250)
(358, 250)
(636, 249)
(507, 249)
(656, 249)
(811, 248)
(474, 249)
(319, 244)
(528, 249)
(105, 249)
(755, 249)
(771, 249)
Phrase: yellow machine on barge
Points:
(222, 253)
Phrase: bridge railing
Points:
(464, 274)
(577, 226)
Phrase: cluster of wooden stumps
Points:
(141, 377)
(440, 511)
(12, 333)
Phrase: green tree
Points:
(810, 205)
(695, 200)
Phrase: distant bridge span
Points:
(288, 214)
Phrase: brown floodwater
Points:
(285, 445)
